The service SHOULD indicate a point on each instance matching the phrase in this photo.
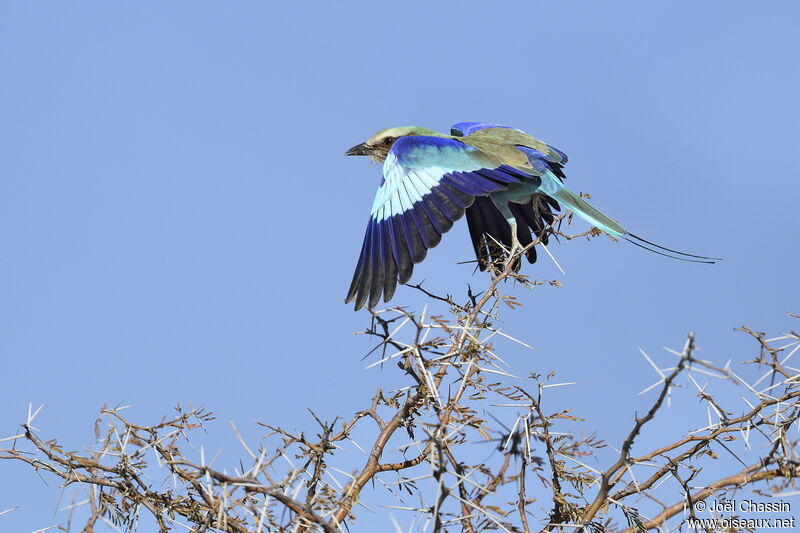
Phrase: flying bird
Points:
(508, 183)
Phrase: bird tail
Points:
(553, 187)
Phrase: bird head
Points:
(377, 147)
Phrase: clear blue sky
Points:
(178, 222)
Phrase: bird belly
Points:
(518, 193)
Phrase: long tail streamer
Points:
(672, 256)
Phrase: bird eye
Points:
(388, 140)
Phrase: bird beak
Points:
(359, 149)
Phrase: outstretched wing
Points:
(488, 227)
(427, 184)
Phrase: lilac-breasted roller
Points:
(508, 183)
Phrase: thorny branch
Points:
(421, 457)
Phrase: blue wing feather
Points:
(463, 129)
(421, 151)
(427, 184)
